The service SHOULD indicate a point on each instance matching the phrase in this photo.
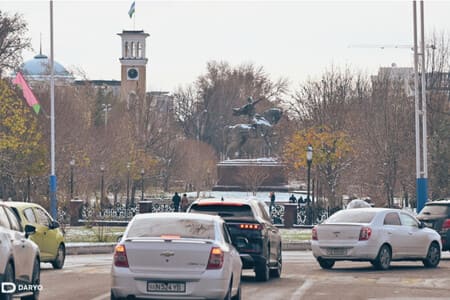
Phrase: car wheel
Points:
(228, 295)
(276, 273)
(113, 297)
(58, 263)
(433, 256)
(8, 277)
(262, 272)
(35, 281)
(326, 264)
(238, 295)
(383, 260)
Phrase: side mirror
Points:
(119, 238)
(421, 225)
(54, 225)
(29, 230)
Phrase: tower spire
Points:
(40, 44)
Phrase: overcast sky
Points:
(293, 39)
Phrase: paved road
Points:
(86, 277)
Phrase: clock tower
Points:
(133, 65)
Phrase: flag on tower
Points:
(27, 92)
(131, 11)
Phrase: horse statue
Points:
(259, 126)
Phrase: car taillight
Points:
(314, 234)
(365, 233)
(250, 226)
(120, 256)
(446, 225)
(215, 260)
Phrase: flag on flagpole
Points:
(131, 11)
(27, 93)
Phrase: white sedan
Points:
(377, 235)
(19, 258)
(176, 256)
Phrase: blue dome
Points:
(40, 66)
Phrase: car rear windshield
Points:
(434, 209)
(351, 216)
(186, 228)
(223, 210)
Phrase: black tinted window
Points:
(223, 210)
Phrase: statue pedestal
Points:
(263, 174)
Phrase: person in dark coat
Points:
(176, 201)
(292, 199)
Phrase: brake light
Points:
(314, 234)
(120, 256)
(365, 233)
(250, 226)
(215, 260)
(446, 225)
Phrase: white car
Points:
(176, 256)
(377, 235)
(19, 259)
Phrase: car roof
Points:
(19, 204)
(375, 209)
(183, 216)
(230, 201)
(439, 202)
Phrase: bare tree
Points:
(253, 177)
(12, 41)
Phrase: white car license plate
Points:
(336, 251)
(162, 286)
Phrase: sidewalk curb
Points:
(106, 248)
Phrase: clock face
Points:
(132, 73)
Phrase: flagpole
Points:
(53, 201)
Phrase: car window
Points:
(226, 234)
(29, 215)
(184, 228)
(392, 218)
(264, 212)
(351, 216)
(223, 210)
(4, 219)
(13, 219)
(42, 217)
(407, 220)
(434, 210)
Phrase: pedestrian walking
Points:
(272, 201)
(184, 203)
(176, 202)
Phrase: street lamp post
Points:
(102, 169)
(72, 164)
(128, 186)
(142, 184)
(309, 155)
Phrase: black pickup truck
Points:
(252, 232)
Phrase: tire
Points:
(262, 272)
(58, 263)
(113, 297)
(276, 273)
(433, 256)
(238, 295)
(36, 281)
(326, 264)
(8, 277)
(383, 260)
(228, 295)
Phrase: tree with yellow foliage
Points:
(332, 154)
(22, 154)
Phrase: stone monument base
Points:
(262, 174)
